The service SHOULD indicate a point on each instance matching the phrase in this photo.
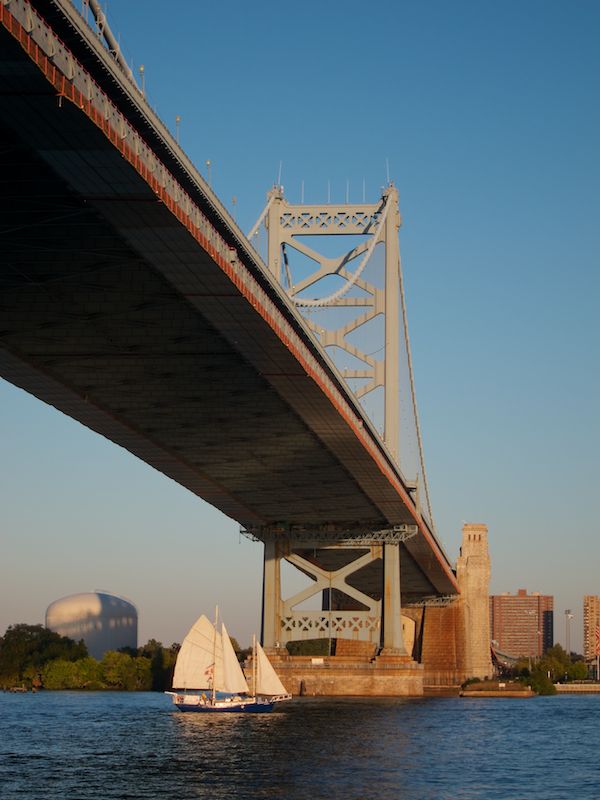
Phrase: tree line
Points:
(555, 666)
(33, 656)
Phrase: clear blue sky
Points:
(489, 116)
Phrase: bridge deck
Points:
(117, 310)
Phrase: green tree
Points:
(89, 672)
(121, 671)
(83, 674)
(60, 674)
(150, 649)
(541, 683)
(24, 649)
(162, 663)
(118, 670)
(550, 666)
(143, 675)
(559, 654)
(577, 671)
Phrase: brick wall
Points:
(355, 648)
(443, 646)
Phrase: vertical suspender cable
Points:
(413, 393)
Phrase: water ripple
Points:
(79, 746)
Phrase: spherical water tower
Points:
(104, 621)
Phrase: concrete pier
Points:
(382, 676)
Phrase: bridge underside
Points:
(113, 313)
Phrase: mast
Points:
(214, 689)
(254, 664)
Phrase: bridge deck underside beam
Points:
(113, 313)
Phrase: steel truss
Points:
(364, 624)
(432, 600)
(321, 535)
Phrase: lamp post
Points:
(568, 618)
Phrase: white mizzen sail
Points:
(267, 680)
(196, 665)
(234, 681)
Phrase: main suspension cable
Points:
(413, 392)
(325, 301)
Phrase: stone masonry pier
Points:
(381, 676)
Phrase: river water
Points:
(77, 746)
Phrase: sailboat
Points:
(208, 676)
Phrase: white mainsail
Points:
(200, 660)
(233, 677)
(267, 680)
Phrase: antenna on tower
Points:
(279, 173)
(387, 170)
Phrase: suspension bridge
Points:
(132, 302)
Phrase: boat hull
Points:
(229, 708)
(204, 704)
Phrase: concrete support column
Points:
(393, 641)
(271, 605)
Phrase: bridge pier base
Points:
(449, 640)
(349, 676)
(364, 634)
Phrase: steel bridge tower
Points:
(348, 611)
